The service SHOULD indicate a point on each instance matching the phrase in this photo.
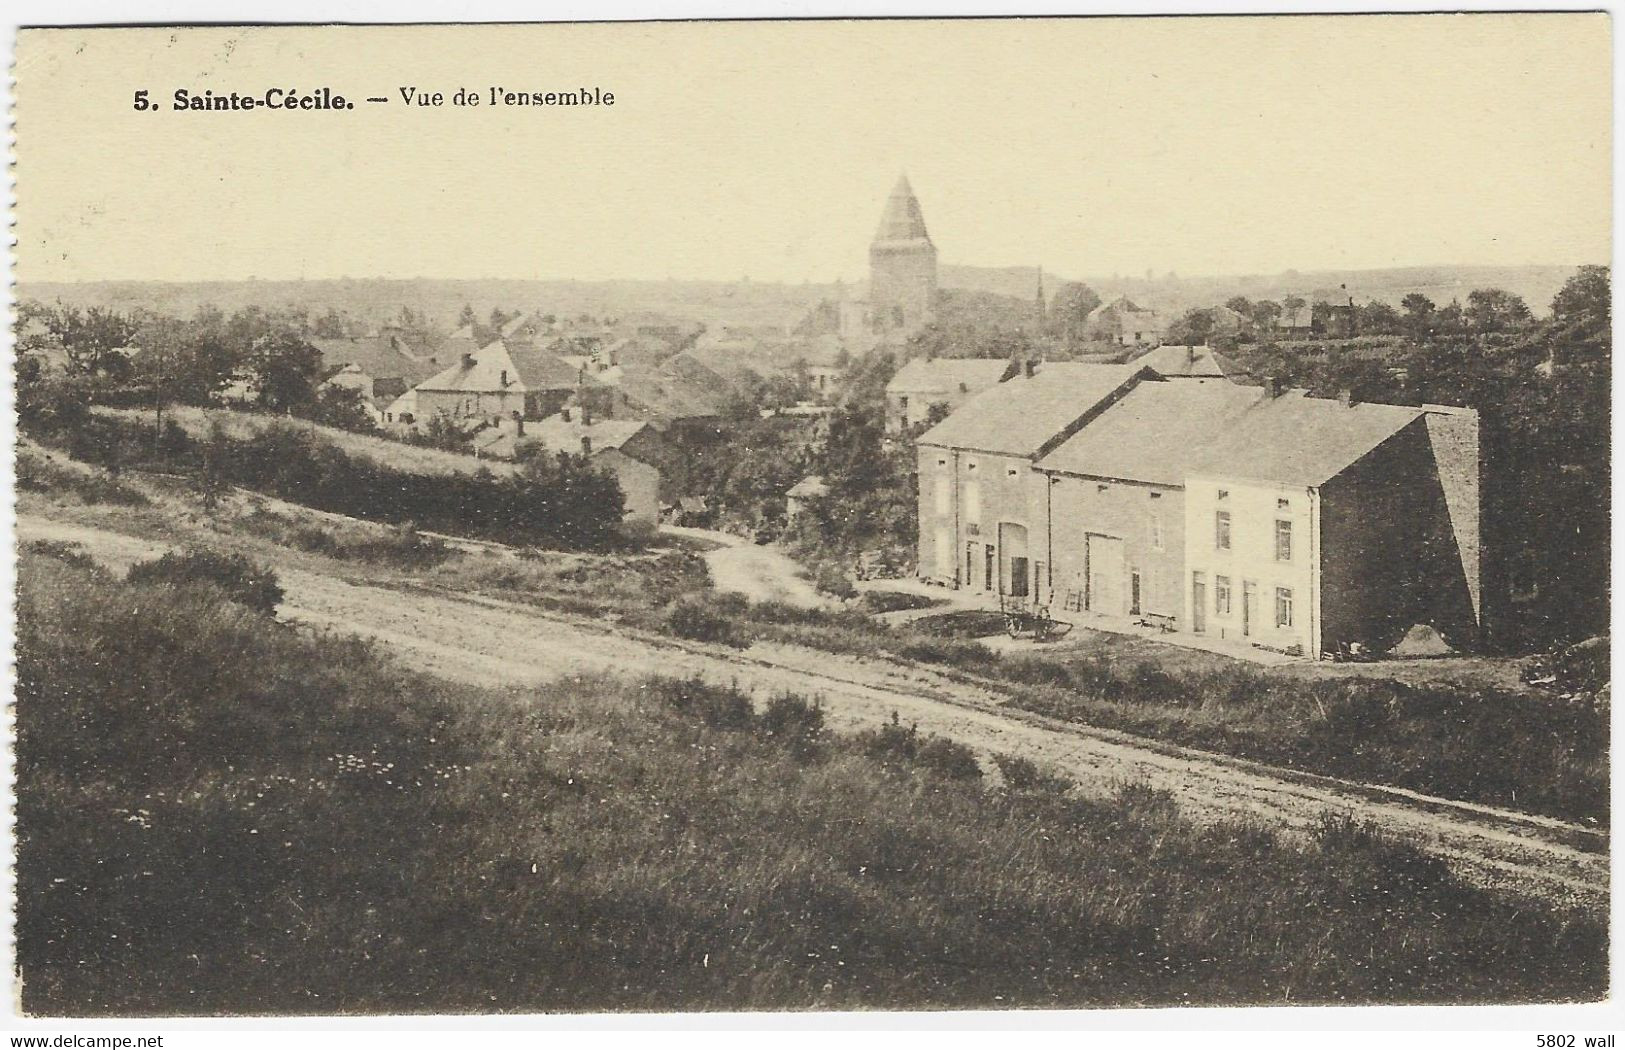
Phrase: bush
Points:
(948, 758)
(1022, 774)
(70, 553)
(241, 580)
(1142, 803)
(697, 620)
(832, 580)
(720, 707)
(794, 723)
(896, 601)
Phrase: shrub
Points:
(794, 723)
(948, 758)
(240, 579)
(71, 553)
(1022, 774)
(832, 580)
(1144, 804)
(697, 620)
(720, 707)
(896, 601)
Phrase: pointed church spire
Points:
(902, 221)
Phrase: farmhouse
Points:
(630, 449)
(1242, 514)
(926, 383)
(1122, 322)
(496, 382)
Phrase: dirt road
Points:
(762, 574)
(502, 643)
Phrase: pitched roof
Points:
(1122, 304)
(527, 369)
(1154, 431)
(664, 396)
(1174, 360)
(946, 375)
(560, 435)
(902, 222)
(1295, 439)
(1021, 416)
(374, 355)
(810, 487)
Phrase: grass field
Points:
(218, 813)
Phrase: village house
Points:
(629, 449)
(931, 382)
(497, 382)
(1335, 316)
(1122, 323)
(377, 367)
(1243, 515)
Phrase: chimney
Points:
(586, 416)
(518, 425)
(1272, 386)
(586, 445)
(1190, 357)
(566, 413)
(468, 360)
(1345, 397)
(1027, 367)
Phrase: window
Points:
(1283, 541)
(942, 462)
(1221, 595)
(1221, 530)
(1224, 493)
(1283, 504)
(1283, 607)
(1011, 472)
(1153, 526)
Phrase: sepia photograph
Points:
(816, 516)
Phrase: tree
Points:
(1377, 318)
(1419, 316)
(1265, 313)
(1240, 304)
(286, 370)
(95, 340)
(1069, 312)
(1580, 329)
(466, 318)
(1194, 328)
(1495, 310)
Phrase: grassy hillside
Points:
(413, 459)
(216, 813)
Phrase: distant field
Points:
(410, 458)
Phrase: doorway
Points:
(1105, 567)
(1249, 606)
(1015, 578)
(1198, 603)
(990, 562)
(1134, 592)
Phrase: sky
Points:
(766, 150)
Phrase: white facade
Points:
(1252, 563)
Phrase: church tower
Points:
(902, 265)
